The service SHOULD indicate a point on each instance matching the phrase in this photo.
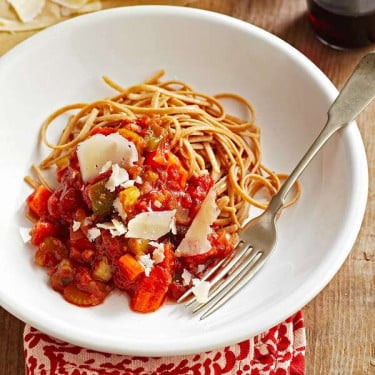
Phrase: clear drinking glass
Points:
(343, 23)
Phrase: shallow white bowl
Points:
(213, 53)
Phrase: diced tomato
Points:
(151, 291)
(105, 130)
(166, 160)
(78, 240)
(85, 283)
(199, 186)
(38, 201)
(122, 282)
(67, 198)
(113, 246)
(176, 290)
(64, 202)
(168, 262)
(42, 230)
(196, 191)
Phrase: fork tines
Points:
(226, 279)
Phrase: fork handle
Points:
(357, 93)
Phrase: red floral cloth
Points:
(279, 351)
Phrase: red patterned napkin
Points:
(280, 351)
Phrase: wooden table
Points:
(340, 321)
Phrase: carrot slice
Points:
(38, 201)
(42, 230)
(130, 267)
(151, 291)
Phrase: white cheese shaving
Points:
(173, 226)
(10, 25)
(117, 205)
(118, 177)
(93, 233)
(71, 4)
(147, 263)
(25, 234)
(76, 225)
(201, 267)
(92, 6)
(87, 221)
(116, 227)
(200, 290)
(96, 151)
(106, 167)
(150, 225)
(120, 228)
(196, 239)
(186, 277)
(27, 10)
(138, 180)
(127, 184)
(158, 254)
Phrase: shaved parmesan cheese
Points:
(27, 10)
(195, 241)
(158, 254)
(92, 6)
(10, 26)
(118, 177)
(150, 225)
(186, 277)
(201, 267)
(106, 167)
(147, 263)
(87, 221)
(201, 290)
(116, 227)
(117, 205)
(93, 233)
(127, 184)
(119, 227)
(71, 4)
(173, 226)
(96, 151)
(76, 225)
(25, 234)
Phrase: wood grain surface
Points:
(340, 321)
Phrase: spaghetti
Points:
(200, 132)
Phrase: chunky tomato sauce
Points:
(86, 269)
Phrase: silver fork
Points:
(257, 238)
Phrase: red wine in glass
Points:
(343, 23)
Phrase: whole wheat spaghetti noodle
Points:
(199, 130)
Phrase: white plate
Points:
(213, 53)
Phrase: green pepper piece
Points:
(101, 198)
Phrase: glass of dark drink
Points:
(343, 23)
